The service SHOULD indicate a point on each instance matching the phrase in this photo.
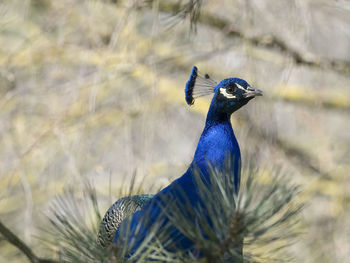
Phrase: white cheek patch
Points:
(227, 95)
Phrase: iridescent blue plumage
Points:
(190, 85)
(216, 144)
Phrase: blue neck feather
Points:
(215, 116)
(217, 143)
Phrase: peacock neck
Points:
(217, 140)
(216, 144)
(216, 117)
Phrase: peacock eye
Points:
(231, 89)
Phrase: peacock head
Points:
(233, 93)
(229, 95)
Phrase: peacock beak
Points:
(252, 92)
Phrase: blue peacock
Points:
(138, 214)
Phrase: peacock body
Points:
(216, 144)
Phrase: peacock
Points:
(217, 143)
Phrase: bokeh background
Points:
(94, 90)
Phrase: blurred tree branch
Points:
(267, 41)
(289, 95)
(18, 243)
(292, 151)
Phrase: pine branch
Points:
(74, 226)
(18, 243)
(235, 236)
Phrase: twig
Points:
(235, 237)
(14, 240)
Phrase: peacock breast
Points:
(216, 144)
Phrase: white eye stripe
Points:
(240, 87)
(227, 95)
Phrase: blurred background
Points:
(94, 90)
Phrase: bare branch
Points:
(14, 240)
(266, 41)
(294, 152)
